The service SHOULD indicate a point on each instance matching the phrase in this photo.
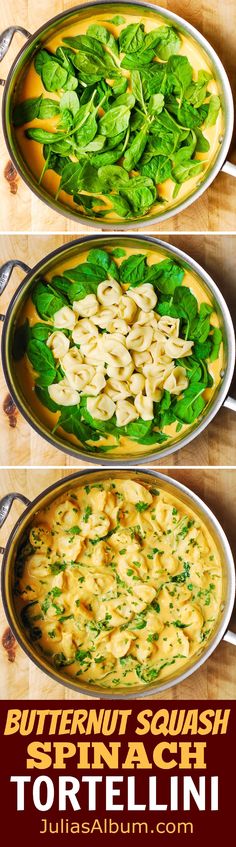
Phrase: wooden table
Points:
(215, 680)
(20, 445)
(21, 211)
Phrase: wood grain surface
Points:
(20, 445)
(215, 680)
(21, 211)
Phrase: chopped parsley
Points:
(87, 513)
(141, 507)
(57, 567)
(74, 530)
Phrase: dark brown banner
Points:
(140, 769)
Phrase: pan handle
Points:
(6, 271)
(230, 403)
(7, 36)
(230, 637)
(229, 168)
(6, 504)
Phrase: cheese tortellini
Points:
(144, 406)
(65, 318)
(109, 292)
(72, 360)
(139, 338)
(144, 296)
(124, 353)
(63, 393)
(84, 331)
(58, 343)
(109, 588)
(125, 412)
(101, 408)
(87, 307)
(176, 381)
(176, 348)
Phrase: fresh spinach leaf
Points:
(192, 404)
(41, 358)
(70, 101)
(117, 20)
(114, 121)
(132, 38)
(167, 276)
(132, 270)
(105, 36)
(185, 303)
(26, 110)
(135, 150)
(103, 259)
(45, 399)
(140, 192)
(216, 342)
(53, 76)
(40, 331)
(112, 175)
(213, 111)
(46, 300)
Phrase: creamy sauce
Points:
(31, 85)
(26, 376)
(120, 583)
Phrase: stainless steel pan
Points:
(76, 14)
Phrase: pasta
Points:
(127, 308)
(121, 372)
(136, 383)
(120, 583)
(176, 348)
(144, 406)
(125, 412)
(109, 292)
(84, 331)
(155, 378)
(64, 318)
(72, 360)
(176, 381)
(84, 375)
(144, 296)
(169, 326)
(116, 389)
(63, 393)
(87, 307)
(101, 408)
(104, 317)
(59, 344)
(115, 351)
(96, 384)
(140, 338)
